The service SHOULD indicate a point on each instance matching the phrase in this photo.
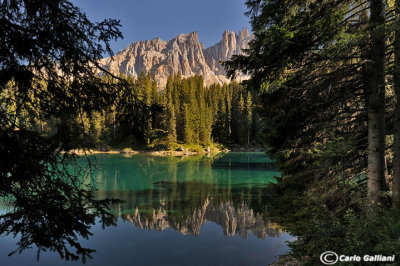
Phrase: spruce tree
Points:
(50, 49)
(249, 115)
(396, 78)
(314, 79)
(376, 102)
(171, 125)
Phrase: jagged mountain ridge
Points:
(233, 220)
(184, 54)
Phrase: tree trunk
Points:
(248, 135)
(396, 144)
(114, 126)
(376, 102)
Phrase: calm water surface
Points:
(179, 211)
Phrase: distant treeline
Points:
(183, 112)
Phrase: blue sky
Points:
(147, 19)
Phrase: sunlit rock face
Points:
(231, 44)
(183, 54)
(233, 220)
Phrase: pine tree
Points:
(376, 102)
(314, 82)
(167, 94)
(171, 125)
(155, 95)
(55, 40)
(396, 144)
(189, 134)
(240, 120)
(249, 114)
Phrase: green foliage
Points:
(340, 220)
(318, 64)
(48, 90)
(171, 125)
(249, 113)
(184, 111)
(144, 116)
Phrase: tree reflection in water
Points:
(183, 195)
(160, 193)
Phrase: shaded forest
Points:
(143, 115)
(331, 72)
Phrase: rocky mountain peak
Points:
(231, 44)
(244, 34)
(188, 36)
(184, 54)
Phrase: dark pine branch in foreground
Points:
(48, 65)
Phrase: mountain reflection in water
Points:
(187, 211)
(162, 193)
(239, 220)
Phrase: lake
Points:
(179, 211)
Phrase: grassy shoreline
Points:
(152, 152)
(179, 150)
(143, 152)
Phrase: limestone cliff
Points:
(184, 54)
(231, 44)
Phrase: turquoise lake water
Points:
(179, 211)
